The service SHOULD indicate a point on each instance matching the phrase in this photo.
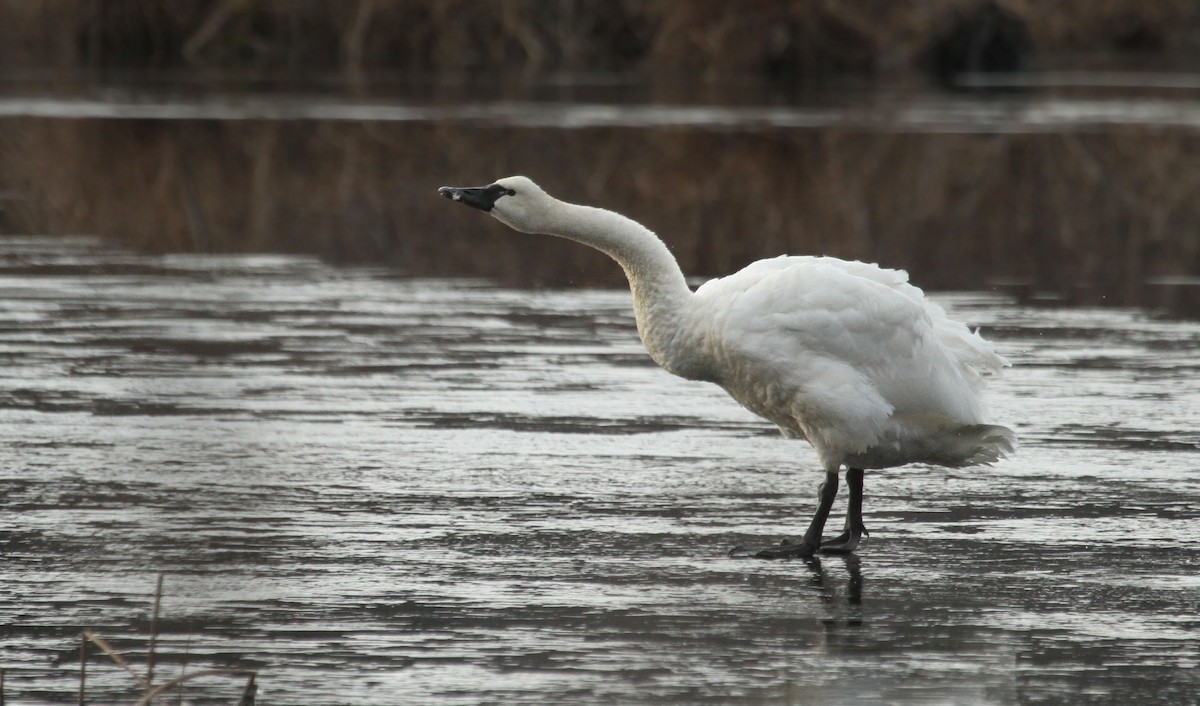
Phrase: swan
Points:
(846, 355)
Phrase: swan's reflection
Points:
(854, 580)
(835, 595)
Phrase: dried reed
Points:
(1090, 215)
(700, 39)
(150, 690)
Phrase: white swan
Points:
(847, 355)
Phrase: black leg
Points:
(811, 541)
(854, 530)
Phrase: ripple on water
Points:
(378, 490)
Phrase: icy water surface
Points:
(385, 491)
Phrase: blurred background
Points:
(1047, 148)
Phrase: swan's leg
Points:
(811, 541)
(854, 531)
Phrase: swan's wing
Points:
(818, 307)
(976, 355)
(850, 343)
(968, 347)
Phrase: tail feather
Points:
(938, 440)
(984, 444)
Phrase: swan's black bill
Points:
(480, 197)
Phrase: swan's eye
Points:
(510, 192)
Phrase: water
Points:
(1049, 102)
(877, 111)
(385, 491)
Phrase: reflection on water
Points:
(396, 491)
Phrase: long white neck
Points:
(661, 298)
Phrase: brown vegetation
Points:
(1092, 213)
(790, 39)
(1087, 214)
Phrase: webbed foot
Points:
(786, 549)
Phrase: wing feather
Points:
(833, 349)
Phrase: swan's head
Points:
(515, 201)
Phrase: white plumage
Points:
(847, 355)
(851, 357)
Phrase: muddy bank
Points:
(1093, 215)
